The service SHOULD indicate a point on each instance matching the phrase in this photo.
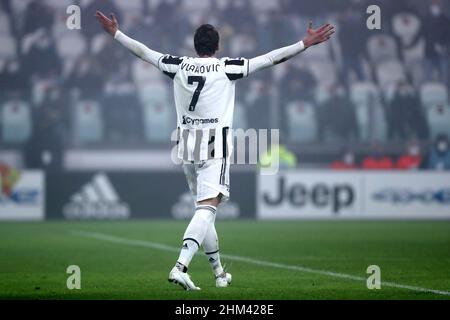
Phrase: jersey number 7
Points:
(201, 82)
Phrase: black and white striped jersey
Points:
(204, 90)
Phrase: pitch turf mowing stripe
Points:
(160, 246)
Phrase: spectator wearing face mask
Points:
(378, 160)
(412, 159)
(439, 157)
(346, 163)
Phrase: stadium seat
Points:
(85, 3)
(98, 42)
(195, 6)
(414, 53)
(364, 93)
(242, 45)
(71, 45)
(363, 120)
(438, 117)
(320, 53)
(321, 94)
(302, 124)
(379, 126)
(381, 47)
(59, 5)
(157, 120)
(433, 93)
(129, 6)
(324, 72)
(88, 123)
(389, 73)
(371, 122)
(143, 72)
(406, 26)
(388, 91)
(416, 70)
(19, 7)
(4, 24)
(7, 47)
(27, 42)
(150, 92)
(265, 5)
(157, 112)
(369, 112)
(16, 121)
(240, 116)
(59, 27)
(39, 89)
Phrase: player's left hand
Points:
(316, 36)
(110, 25)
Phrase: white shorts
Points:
(209, 178)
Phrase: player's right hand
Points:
(110, 25)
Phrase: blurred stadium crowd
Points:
(371, 93)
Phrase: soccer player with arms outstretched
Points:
(204, 89)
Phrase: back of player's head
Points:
(206, 40)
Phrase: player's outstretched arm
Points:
(111, 26)
(312, 38)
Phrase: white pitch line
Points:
(164, 247)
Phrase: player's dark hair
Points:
(206, 40)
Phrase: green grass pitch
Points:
(34, 258)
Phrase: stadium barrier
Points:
(354, 195)
(137, 194)
(292, 194)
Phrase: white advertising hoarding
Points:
(407, 195)
(308, 194)
(353, 194)
(22, 197)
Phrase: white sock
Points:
(195, 234)
(211, 247)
